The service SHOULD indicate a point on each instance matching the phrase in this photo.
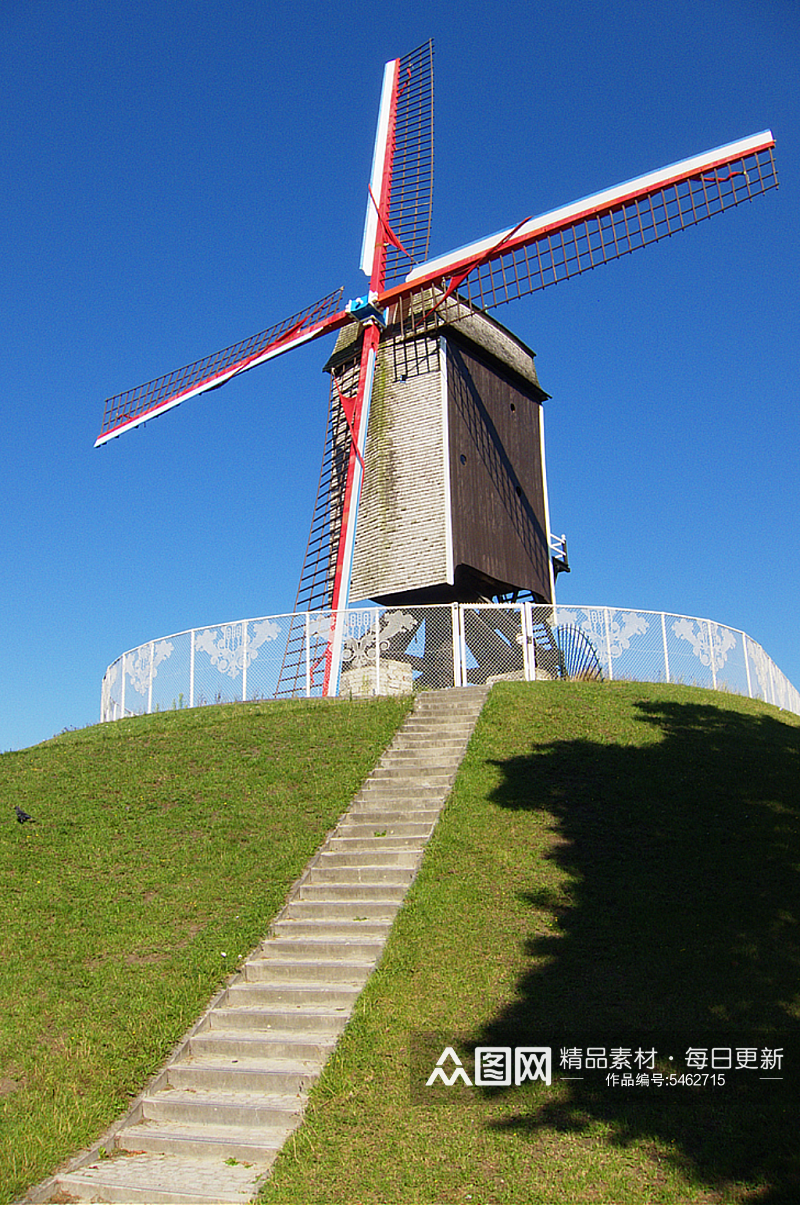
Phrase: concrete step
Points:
(432, 749)
(445, 709)
(446, 715)
(325, 907)
(439, 734)
(441, 766)
(246, 1144)
(354, 829)
(290, 1077)
(397, 818)
(241, 1043)
(162, 1180)
(298, 992)
(417, 773)
(363, 875)
(215, 1106)
(442, 725)
(388, 893)
(309, 971)
(377, 857)
(335, 928)
(381, 806)
(442, 750)
(451, 701)
(320, 947)
(439, 731)
(268, 1019)
(410, 784)
(345, 843)
(385, 794)
(406, 787)
(434, 766)
(386, 797)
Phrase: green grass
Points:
(617, 862)
(162, 848)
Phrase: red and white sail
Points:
(396, 234)
(398, 209)
(574, 238)
(139, 405)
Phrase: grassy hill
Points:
(161, 849)
(617, 864)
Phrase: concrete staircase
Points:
(209, 1126)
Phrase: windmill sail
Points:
(398, 212)
(396, 235)
(400, 196)
(595, 230)
(318, 575)
(319, 569)
(139, 405)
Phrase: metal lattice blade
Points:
(317, 587)
(325, 579)
(136, 406)
(597, 229)
(399, 208)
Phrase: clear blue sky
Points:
(178, 174)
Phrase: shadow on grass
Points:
(682, 928)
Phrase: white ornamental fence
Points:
(375, 650)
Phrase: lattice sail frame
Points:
(400, 195)
(606, 236)
(139, 405)
(318, 576)
(598, 229)
(411, 202)
(396, 234)
(319, 566)
(398, 212)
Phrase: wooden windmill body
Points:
(453, 504)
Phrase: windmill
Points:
(433, 484)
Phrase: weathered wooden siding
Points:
(452, 502)
(497, 485)
(401, 535)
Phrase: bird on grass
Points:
(22, 816)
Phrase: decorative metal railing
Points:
(394, 650)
